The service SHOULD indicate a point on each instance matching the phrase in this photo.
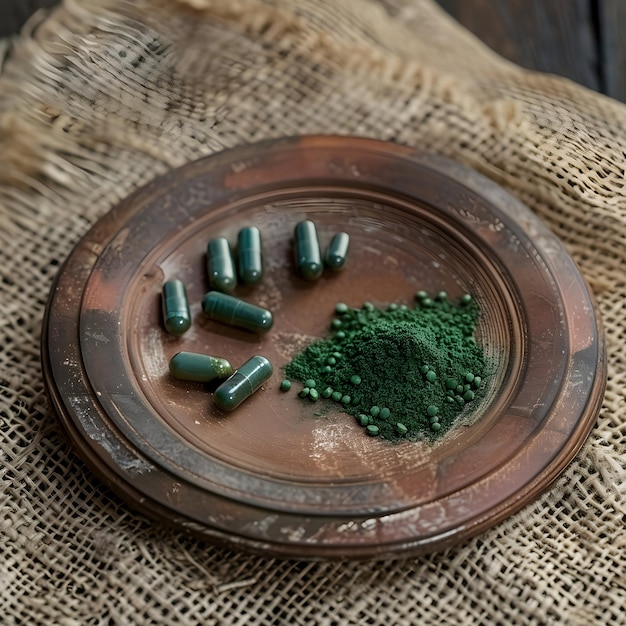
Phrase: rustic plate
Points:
(271, 477)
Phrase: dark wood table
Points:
(581, 39)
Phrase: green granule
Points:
(406, 372)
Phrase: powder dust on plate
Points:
(402, 372)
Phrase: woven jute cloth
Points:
(98, 98)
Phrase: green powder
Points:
(402, 372)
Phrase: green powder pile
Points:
(404, 373)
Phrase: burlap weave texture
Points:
(105, 95)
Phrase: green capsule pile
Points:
(402, 372)
(224, 271)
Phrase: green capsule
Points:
(336, 396)
(401, 428)
(345, 400)
(327, 392)
(176, 316)
(432, 410)
(314, 395)
(249, 257)
(200, 368)
(243, 383)
(304, 392)
(341, 308)
(372, 430)
(220, 265)
(337, 251)
(431, 376)
(310, 382)
(384, 413)
(235, 312)
(307, 251)
(285, 385)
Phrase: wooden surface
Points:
(612, 20)
(14, 13)
(584, 40)
(581, 39)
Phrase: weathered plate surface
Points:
(271, 477)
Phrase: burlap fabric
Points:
(104, 95)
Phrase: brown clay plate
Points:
(272, 477)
